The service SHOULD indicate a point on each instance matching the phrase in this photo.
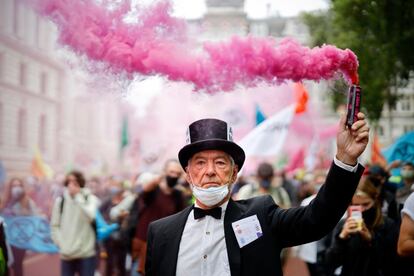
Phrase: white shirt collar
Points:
(223, 206)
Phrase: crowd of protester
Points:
(380, 243)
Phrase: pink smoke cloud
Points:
(158, 44)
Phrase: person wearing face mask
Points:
(220, 236)
(159, 198)
(407, 176)
(367, 247)
(267, 184)
(379, 177)
(17, 202)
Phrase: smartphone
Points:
(355, 211)
(354, 104)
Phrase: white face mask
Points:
(210, 196)
(17, 192)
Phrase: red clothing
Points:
(162, 205)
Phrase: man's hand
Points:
(351, 142)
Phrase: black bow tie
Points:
(201, 213)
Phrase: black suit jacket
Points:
(281, 228)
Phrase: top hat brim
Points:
(231, 148)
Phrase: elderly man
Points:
(219, 236)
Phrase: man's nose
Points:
(211, 170)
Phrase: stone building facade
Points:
(44, 104)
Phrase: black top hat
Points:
(210, 134)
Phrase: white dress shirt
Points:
(203, 248)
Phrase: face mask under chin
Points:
(210, 196)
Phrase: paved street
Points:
(41, 265)
(48, 265)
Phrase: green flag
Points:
(124, 134)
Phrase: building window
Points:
(23, 74)
(15, 16)
(2, 61)
(22, 128)
(43, 83)
(380, 131)
(42, 133)
(405, 104)
(37, 30)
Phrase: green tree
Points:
(380, 33)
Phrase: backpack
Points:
(62, 203)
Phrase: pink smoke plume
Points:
(158, 44)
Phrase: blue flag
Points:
(402, 149)
(260, 117)
(31, 233)
(103, 229)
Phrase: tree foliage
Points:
(380, 33)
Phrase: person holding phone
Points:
(365, 242)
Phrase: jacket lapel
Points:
(172, 239)
(233, 213)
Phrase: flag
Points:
(402, 149)
(124, 134)
(376, 155)
(268, 138)
(282, 161)
(301, 96)
(311, 156)
(103, 229)
(260, 117)
(39, 168)
(31, 233)
(297, 161)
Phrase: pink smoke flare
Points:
(158, 44)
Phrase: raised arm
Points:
(305, 224)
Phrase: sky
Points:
(253, 8)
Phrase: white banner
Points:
(268, 138)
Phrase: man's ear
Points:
(187, 176)
(235, 172)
